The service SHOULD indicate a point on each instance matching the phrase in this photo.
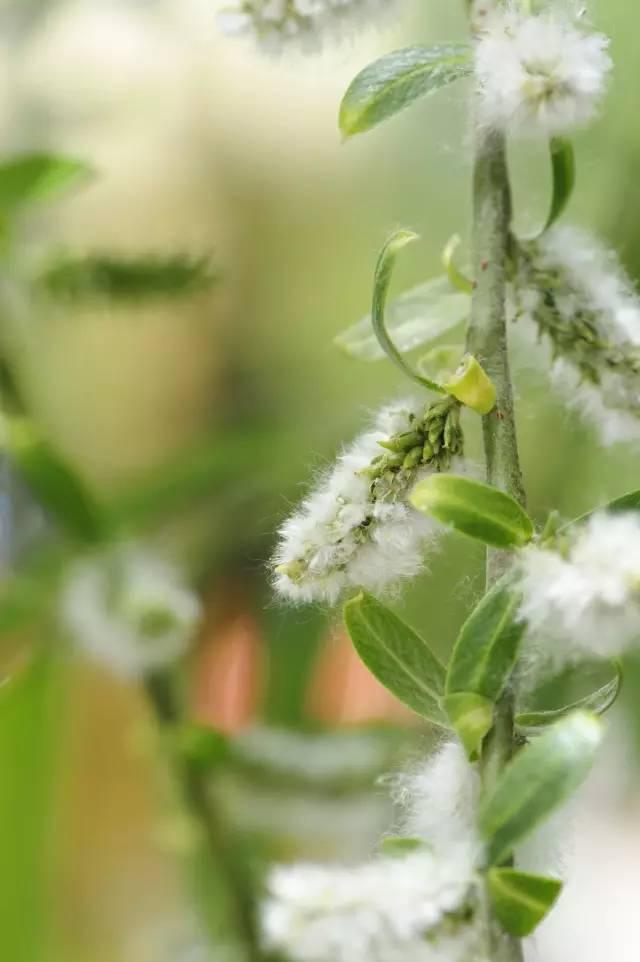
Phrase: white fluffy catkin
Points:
(303, 23)
(355, 532)
(580, 298)
(584, 602)
(129, 610)
(539, 74)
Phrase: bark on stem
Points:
(487, 340)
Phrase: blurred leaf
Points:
(115, 278)
(381, 282)
(486, 650)
(54, 483)
(293, 637)
(398, 657)
(563, 171)
(598, 701)
(478, 510)
(397, 846)
(393, 82)
(472, 718)
(35, 177)
(239, 457)
(536, 781)
(414, 318)
(29, 723)
(519, 900)
(202, 747)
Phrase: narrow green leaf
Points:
(381, 282)
(455, 275)
(37, 177)
(563, 172)
(397, 846)
(475, 509)
(398, 657)
(395, 81)
(486, 650)
(472, 718)
(135, 279)
(519, 900)
(54, 483)
(598, 702)
(417, 317)
(541, 777)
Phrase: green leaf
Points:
(54, 483)
(563, 171)
(37, 177)
(398, 657)
(455, 275)
(598, 702)
(203, 748)
(381, 282)
(198, 471)
(32, 721)
(393, 82)
(539, 778)
(486, 650)
(521, 901)
(120, 279)
(418, 316)
(398, 846)
(472, 718)
(478, 510)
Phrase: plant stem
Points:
(221, 887)
(487, 340)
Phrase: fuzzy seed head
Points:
(129, 610)
(583, 601)
(542, 74)
(304, 23)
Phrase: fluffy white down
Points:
(389, 908)
(325, 535)
(595, 279)
(586, 603)
(593, 284)
(438, 798)
(106, 600)
(539, 74)
(305, 22)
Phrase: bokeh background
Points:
(204, 144)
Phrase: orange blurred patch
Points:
(230, 668)
(344, 692)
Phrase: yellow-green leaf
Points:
(472, 718)
(537, 780)
(475, 509)
(396, 80)
(398, 657)
(520, 901)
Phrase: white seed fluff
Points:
(539, 74)
(439, 799)
(416, 907)
(593, 296)
(306, 22)
(129, 610)
(341, 537)
(585, 601)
